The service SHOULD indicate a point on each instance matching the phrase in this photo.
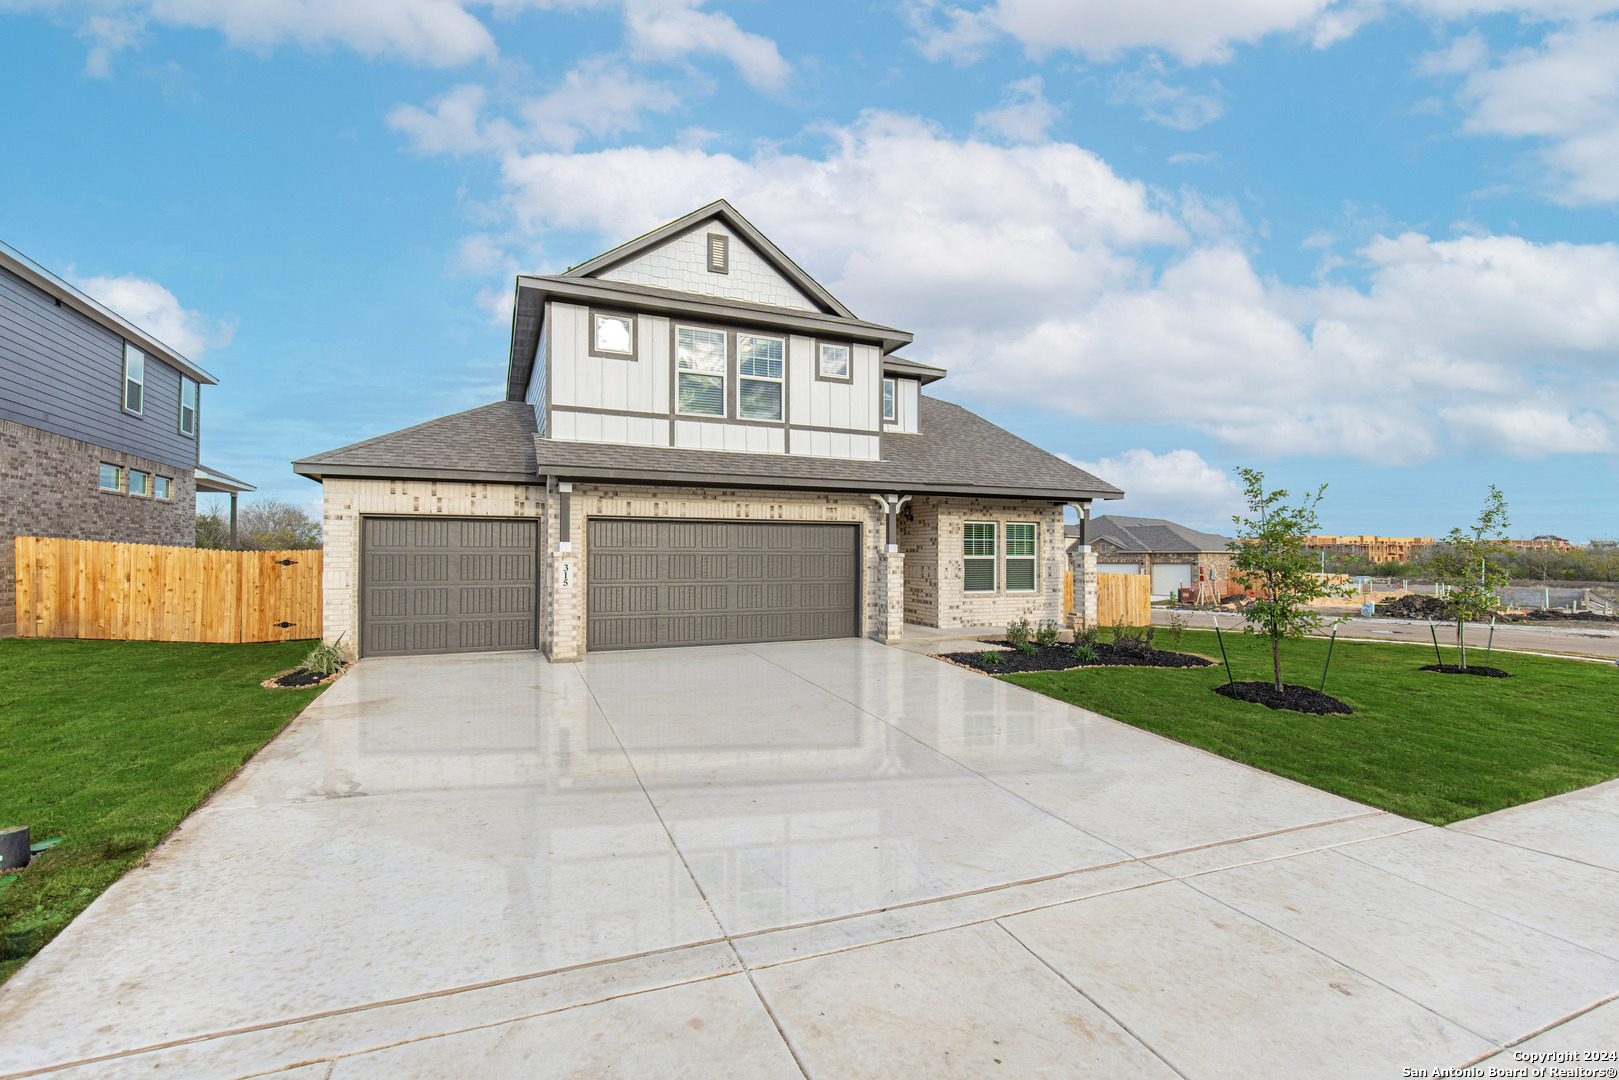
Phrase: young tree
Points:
(1462, 564)
(1270, 557)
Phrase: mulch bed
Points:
(1061, 658)
(298, 677)
(1295, 698)
(1470, 669)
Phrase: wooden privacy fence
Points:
(144, 592)
(1126, 596)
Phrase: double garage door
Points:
(443, 585)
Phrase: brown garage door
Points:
(438, 585)
(719, 582)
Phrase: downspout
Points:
(233, 521)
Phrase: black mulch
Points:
(1470, 669)
(300, 678)
(1297, 698)
(1061, 658)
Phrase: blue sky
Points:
(1363, 243)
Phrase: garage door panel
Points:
(447, 585)
(761, 581)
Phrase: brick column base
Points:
(892, 624)
(1083, 561)
(567, 609)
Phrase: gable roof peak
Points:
(719, 210)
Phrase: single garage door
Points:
(1167, 577)
(719, 582)
(440, 585)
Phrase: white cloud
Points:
(673, 29)
(1024, 114)
(108, 36)
(452, 126)
(1031, 271)
(1178, 485)
(1160, 103)
(1564, 93)
(155, 310)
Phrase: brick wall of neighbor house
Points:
(1217, 563)
(51, 486)
(933, 533)
(345, 500)
(716, 504)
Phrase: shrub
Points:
(1018, 633)
(1087, 635)
(1048, 633)
(325, 659)
(1085, 654)
(1177, 627)
(989, 656)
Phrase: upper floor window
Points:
(719, 253)
(134, 378)
(760, 365)
(1020, 540)
(978, 556)
(188, 406)
(111, 478)
(612, 335)
(834, 361)
(890, 405)
(699, 371)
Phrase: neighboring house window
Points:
(612, 334)
(890, 406)
(760, 365)
(1020, 556)
(139, 483)
(719, 253)
(163, 487)
(978, 551)
(134, 378)
(112, 478)
(834, 361)
(700, 371)
(188, 406)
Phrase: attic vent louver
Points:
(719, 253)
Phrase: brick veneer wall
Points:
(1217, 563)
(346, 500)
(930, 537)
(51, 485)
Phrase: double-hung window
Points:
(134, 378)
(1020, 540)
(978, 556)
(890, 404)
(760, 364)
(834, 361)
(188, 406)
(699, 371)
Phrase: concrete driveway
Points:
(826, 859)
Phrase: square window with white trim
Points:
(760, 366)
(134, 378)
(1020, 545)
(834, 361)
(110, 478)
(140, 483)
(612, 334)
(978, 556)
(699, 371)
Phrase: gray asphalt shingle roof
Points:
(1153, 535)
(956, 451)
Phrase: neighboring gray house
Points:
(699, 444)
(1176, 556)
(99, 423)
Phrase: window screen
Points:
(613, 334)
(1020, 556)
(134, 377)
(700, 371)
(890, 406)
(760, 364)
(835, 361)
(112, 478)
(978, 556)
(188, 406)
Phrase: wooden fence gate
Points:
(144, 592)
(1126, 596)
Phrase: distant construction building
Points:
(1376, 548)
(1542, 543)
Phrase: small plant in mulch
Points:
(989, 656)
(1471, 669)
(1301, 699)
(324, 664)
(1047, 634)
(1018, 635)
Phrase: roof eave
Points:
(320, 471)
(685, 478)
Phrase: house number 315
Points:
(567, 574)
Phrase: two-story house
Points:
(99, 423)
(699, 445)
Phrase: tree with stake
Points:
(1270, 557)
(1462, 563)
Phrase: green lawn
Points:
(1437, 748)
(109, 744)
